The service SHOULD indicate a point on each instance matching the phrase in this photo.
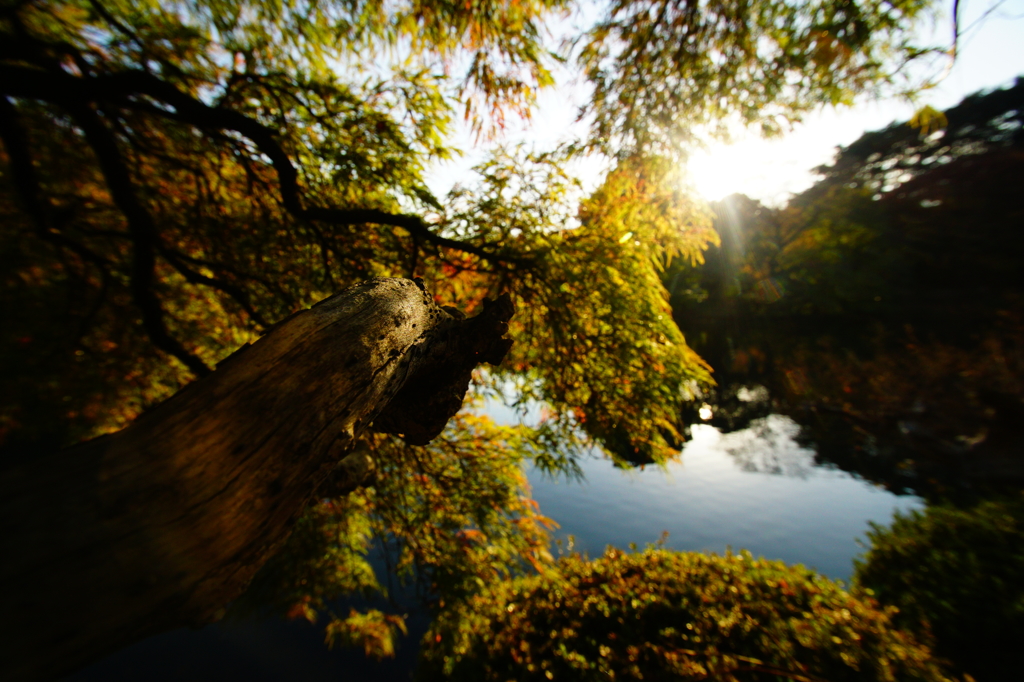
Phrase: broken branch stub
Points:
(445, 361)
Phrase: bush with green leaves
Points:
(660, 614)
(957, 574)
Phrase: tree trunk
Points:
(165, 522)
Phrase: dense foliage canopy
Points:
(666, 71)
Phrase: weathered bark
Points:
(165, 522)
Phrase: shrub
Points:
(957, 574)
(661, 614)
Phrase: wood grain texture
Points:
(165, 522)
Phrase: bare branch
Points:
(956, 30)
(270, 285)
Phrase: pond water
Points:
(755, 488)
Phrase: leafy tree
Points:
(911, 196)
(884, 160)
(163, 160)
(665, 614)
(179, 176)
(666, 71)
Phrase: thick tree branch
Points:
(430, 397)
(165, 523)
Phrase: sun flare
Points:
(768, 170)
(713, 173)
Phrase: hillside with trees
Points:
(884, 301)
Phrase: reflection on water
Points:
(769, 446)
(756, 489)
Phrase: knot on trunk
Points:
(434, 392)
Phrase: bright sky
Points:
(991, 54)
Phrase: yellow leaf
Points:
(928, 119)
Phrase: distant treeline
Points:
(881, 308)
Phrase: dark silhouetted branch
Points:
(239, 295)
(143, 234)
(15, 139)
